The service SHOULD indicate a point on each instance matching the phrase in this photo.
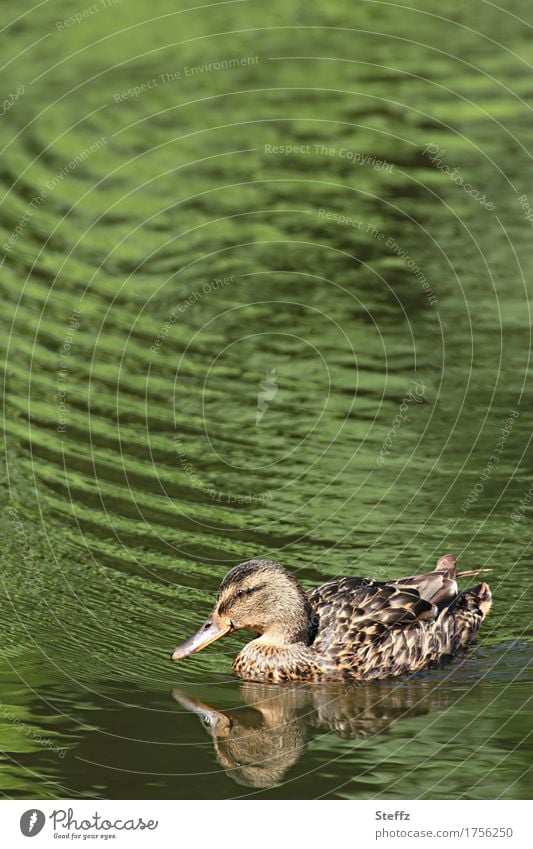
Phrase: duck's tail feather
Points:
(476, 601)
(472, 572)
(484, 597)
(461, 620)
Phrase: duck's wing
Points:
(352, 613)
(372, 629)
(362, 603)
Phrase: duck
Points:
(358, 629)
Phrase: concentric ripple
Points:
(264, 292)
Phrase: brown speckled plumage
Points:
(347, 629)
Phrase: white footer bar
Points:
(267, 824)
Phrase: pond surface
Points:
(264, 289)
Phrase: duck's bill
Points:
(208, 633)
(214, 721)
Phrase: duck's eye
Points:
(240, 593)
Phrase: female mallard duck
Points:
(351, 628)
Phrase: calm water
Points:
(217, 347)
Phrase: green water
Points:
(204, 361)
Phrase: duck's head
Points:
(259, 596)
(255, 743)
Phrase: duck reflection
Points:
(258, 742)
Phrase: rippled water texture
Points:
(264, 292)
